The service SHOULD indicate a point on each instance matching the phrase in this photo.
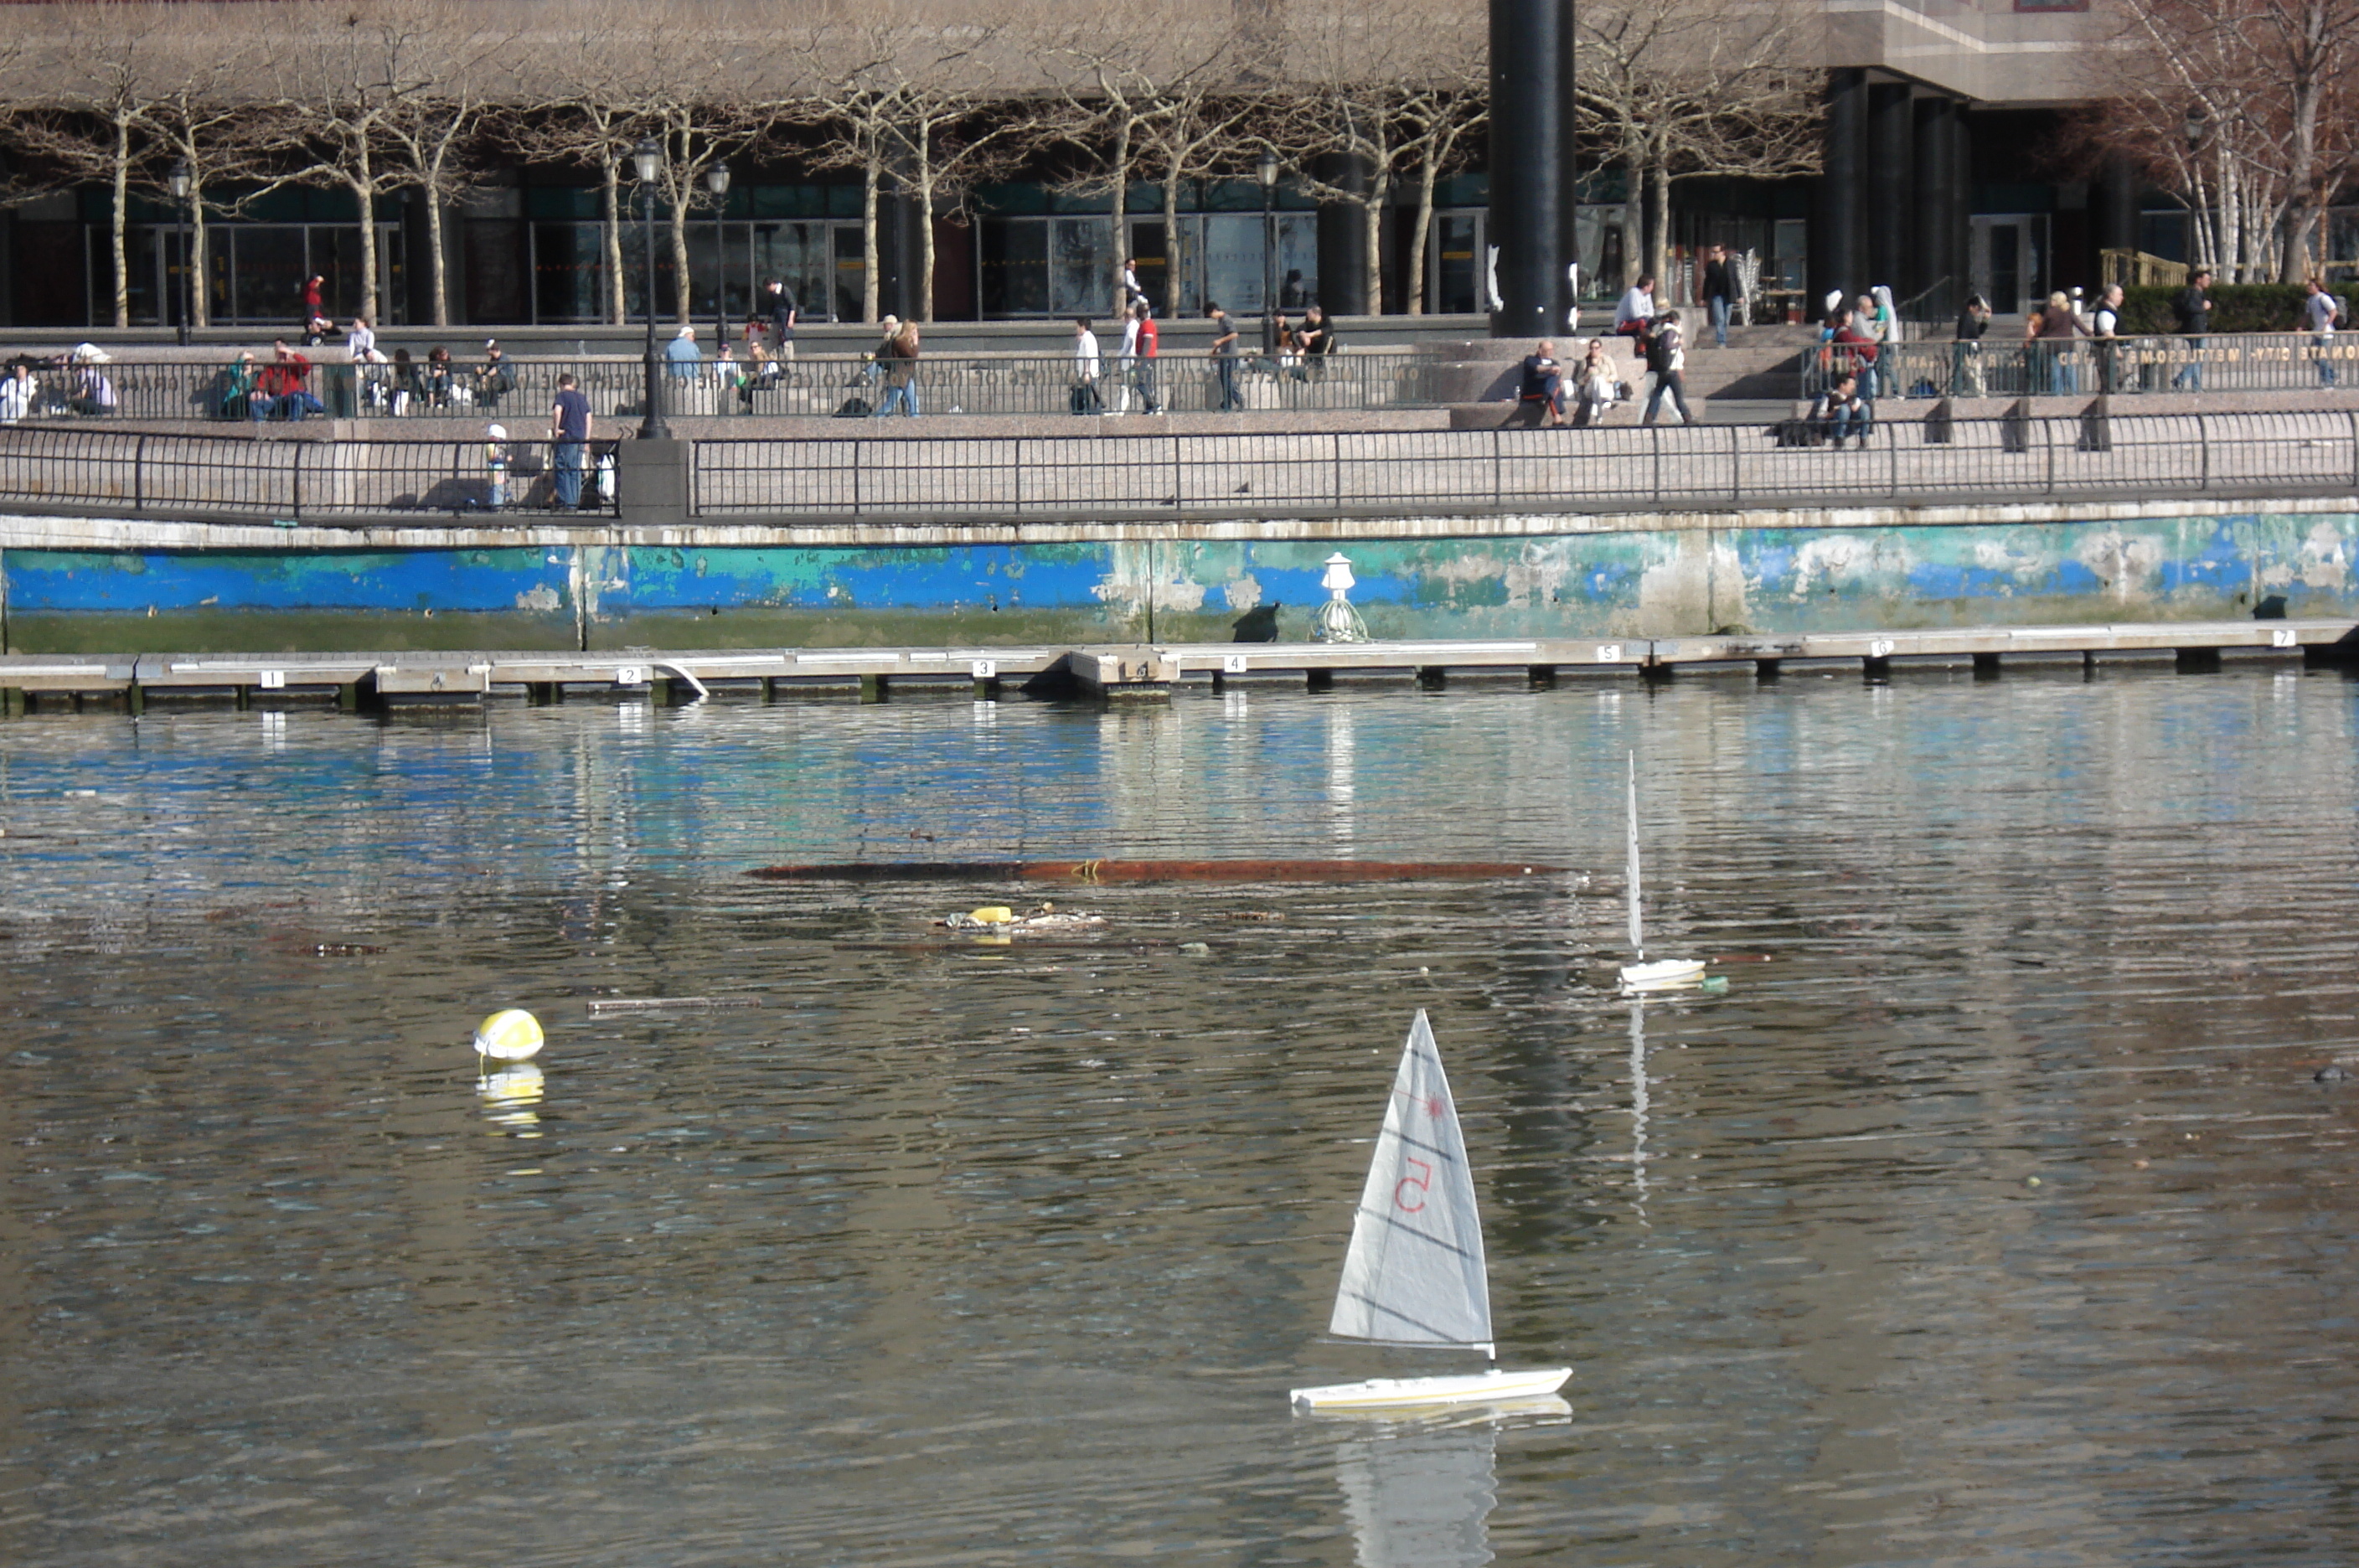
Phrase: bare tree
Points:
(429, 132)
(1389, 87)
(1206, 125)
(346, 76)
(1679, 89)
(1114, 87)
(2243, 110)
(104, 66)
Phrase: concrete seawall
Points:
(99, 584)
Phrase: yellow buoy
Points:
(992, 915)
(512, 1035)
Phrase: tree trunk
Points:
(437, 267)
(364, 189)
(924, 194)
(1121, 162)
(1414, 275)
(870, 175)
(610, 194)
(1372, 218)
(118, 230)
(200, 301)
(681, 282)
(1659, 225)
(1171, 294)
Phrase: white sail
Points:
(1637, 940)
(1414, 1274)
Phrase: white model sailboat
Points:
(1663, 974)
(1414, 1274)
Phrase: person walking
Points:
(1148, 349)
(1721, 296)
(315, 320)
(2048, 339)
(2106, 330)
(2193, 311)
(1087, 367)
(1223, 353)
(1125, 362)
(899, 358)
(2322, 311)
(1666, 357)
(783, 311)
(569, 439)
(1966, 358)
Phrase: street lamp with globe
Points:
(183, 182)
(649, 157)
(716, 180)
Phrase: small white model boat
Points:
(1663, 974)
(1414, 1273)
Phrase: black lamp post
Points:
(716, 180)
(1267, 172)
(182, 182)
(649, 158)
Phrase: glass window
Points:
(1080, 266)
(569, 272)
(1013, 261)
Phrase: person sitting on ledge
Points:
(1841, 411)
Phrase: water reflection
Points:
(1418, 1493)
(511, 1096)
(1003, 1257)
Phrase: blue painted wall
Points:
(1640, 581)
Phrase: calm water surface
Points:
(1990, 1216)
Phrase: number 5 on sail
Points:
(1414, 1273)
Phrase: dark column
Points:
(9, 266)
(1344, 237)
(1961, 170)
(1935, 208)
(1890, 165)
(1531, 140)
(1568, 245)
(1837, 257)
(2117, 209)
(900, 255)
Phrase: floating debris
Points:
(1000, 920)
(339, 949)
(670, 1004)
(1098, 872)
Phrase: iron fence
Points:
(2239, 361)
(1268, 475)
(288, 480)
(1478, 472)
(522, 390)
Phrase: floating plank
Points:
(1096, 872)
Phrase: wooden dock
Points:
(41, 682)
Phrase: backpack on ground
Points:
(854, 407)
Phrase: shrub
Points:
(2235, 308)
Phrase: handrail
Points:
(1248, 475)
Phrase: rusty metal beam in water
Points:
(1101, 872)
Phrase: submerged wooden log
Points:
(1099, 872)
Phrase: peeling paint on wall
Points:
(1662, 581)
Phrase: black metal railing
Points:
(2239, 361)
(288, 481)
(522, 390)
(1264, 475)
(1624, 468)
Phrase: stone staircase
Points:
(1760, 365)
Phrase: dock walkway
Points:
(39, 682)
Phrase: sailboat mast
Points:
(1637, 940)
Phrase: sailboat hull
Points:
(1393, 1393)
(1663, 975)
